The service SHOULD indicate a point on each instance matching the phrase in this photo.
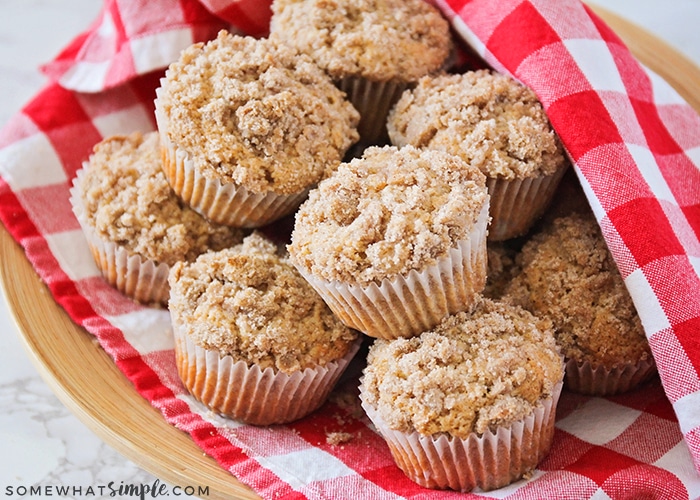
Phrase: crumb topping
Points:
(472, 373)
(386, 213)
(250, 303)
(376, 39)
(128, 201)
(489, 119)
(501, 267)
(256, 113)
(569, 276)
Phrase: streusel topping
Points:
(249, 302)
(255, 113)
(128, 201)
(377, 39)
(489, 119)
(384, 214)
(472, 373)
(569, 276)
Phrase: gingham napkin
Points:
(636, 148)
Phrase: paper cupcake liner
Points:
(584, 378)
(220, 202)
(405, 306)
(488, 461)
(516, 204)
(249, 394)
(373, 100)
(144, 280)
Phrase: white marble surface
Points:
(42, 443)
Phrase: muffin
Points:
(471, 403)
(253, 341)
(496, 124)
(134, 223)
(395, 241)
(568, 275)
(248, 126)
(372, 49)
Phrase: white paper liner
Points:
(373, 100)
(220, 202)
(488, 462)
(583, 378)
(516, 204)
(404, 306)
(249, 394)
(144, 280)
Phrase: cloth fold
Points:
(635, 145)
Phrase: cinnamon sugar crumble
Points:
(256, 113)
(569, 276)
(129, 202)
(377, 39)
(489, 119)
(386, 213)
(251, 303)
(472, 373)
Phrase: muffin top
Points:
(255, 113)
(384, 214)
(568, 275)
(249, 302)
(379, 40)
(489, 119)
(472, 373)
(128, 201)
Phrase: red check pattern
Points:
(636, 147)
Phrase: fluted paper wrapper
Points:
(373, 100)
(249, 394)
(488, 461)
(144, 280)
(584, 378)
(405, 306)
(517, 204)
(220, 202)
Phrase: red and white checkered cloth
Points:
(636, 148)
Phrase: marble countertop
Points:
(42, 442)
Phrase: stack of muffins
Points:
(415, 199)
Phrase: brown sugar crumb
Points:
(377, 39)
(569, 276)
(255, 113)
(491, 120)
(251, 303)
(338, 438)
(129, 202)
(472, 373)
(386, 213)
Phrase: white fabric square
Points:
(124, 122)
(679, 462)
(73, 254)
(88, 76)
(293, 468)
(596, 62)
(687, 409)
(160, 49)
(585, 422)
(31, 162)
(650, 170)
(663, 92)
(147, 330)
(645, 300)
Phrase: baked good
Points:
(134, 223)
(395, 240)
(253, 341)
(496, 124)
(248, 126)
(568, 275)
(373, 49)
(470, 403)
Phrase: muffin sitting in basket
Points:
(396, 240)
(253, 341)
